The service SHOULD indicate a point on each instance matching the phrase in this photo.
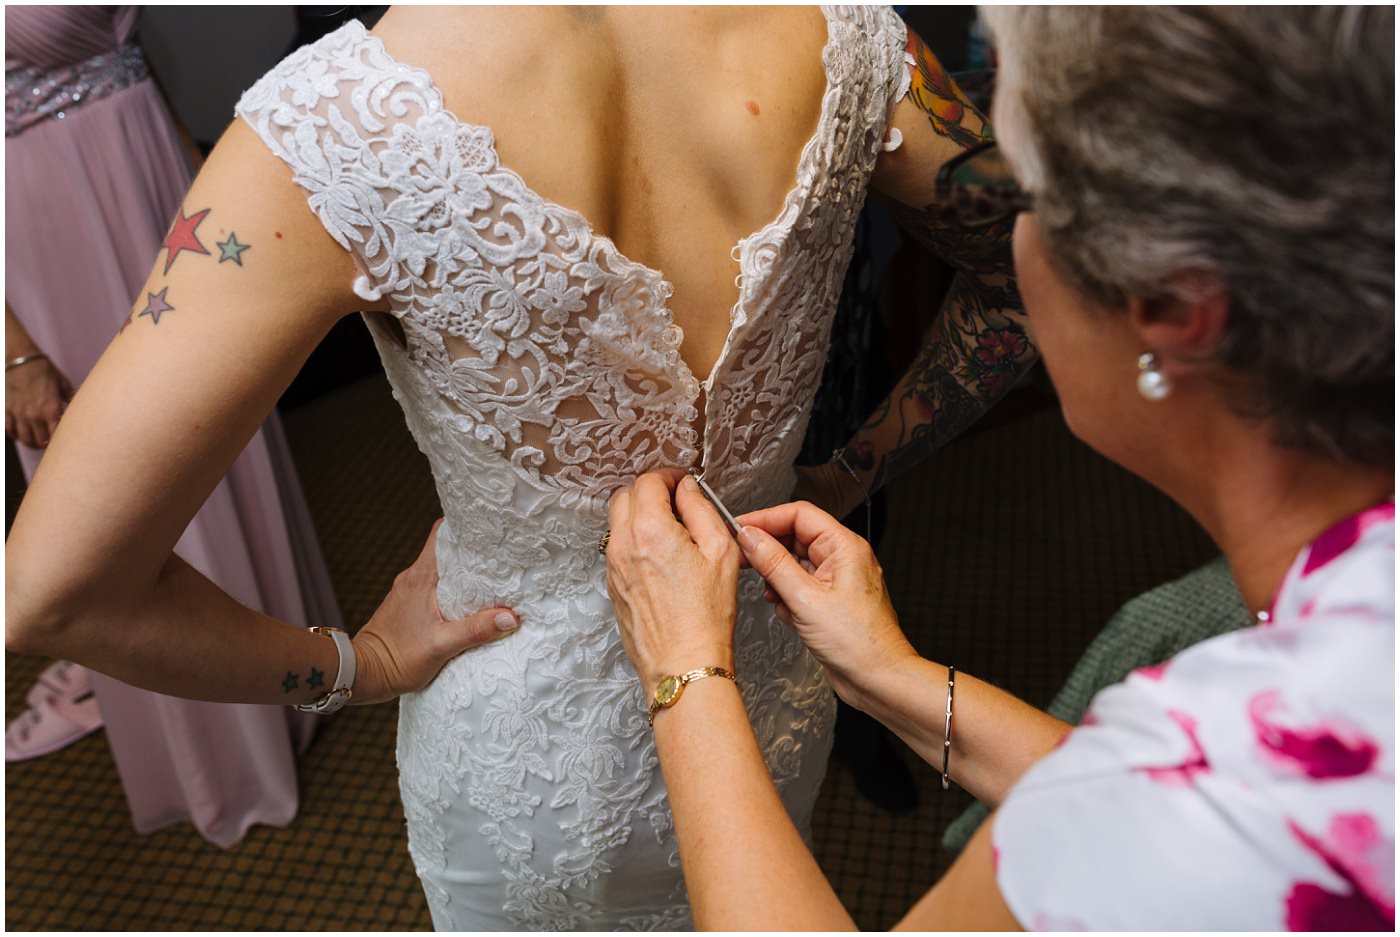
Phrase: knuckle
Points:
(726, 552)
(766, 563)
(648, 533)
(482, 630)
(619, 551)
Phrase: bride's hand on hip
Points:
(826, 583)
(407, 640)
(673, 582)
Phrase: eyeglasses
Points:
(977, 188)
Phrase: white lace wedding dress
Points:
(540, 373)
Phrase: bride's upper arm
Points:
(245, 285)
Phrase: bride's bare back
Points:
(674, 131)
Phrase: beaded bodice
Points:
(33, 95)
(58, 59)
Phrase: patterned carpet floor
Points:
(1005, 555)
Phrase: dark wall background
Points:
(206, 56)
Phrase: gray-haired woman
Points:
(1205, 246)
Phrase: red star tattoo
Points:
(155, 305)
(183, 238)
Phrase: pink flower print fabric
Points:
(1247, 784)
(1359, 852)
(1342, 537)
(1319, 750)
(1183, 774)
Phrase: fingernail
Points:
(746, 539)
(688, 483)
(505, 621)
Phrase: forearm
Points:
(746, 867)
(17, 340)
(181, 635)
(995, 736)
(974, 353)
(977, 347)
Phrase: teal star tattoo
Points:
(231, 249)
(317, 679)
(289, 684)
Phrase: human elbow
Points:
(37, 618)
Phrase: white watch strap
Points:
(345, 676)
(340, 692)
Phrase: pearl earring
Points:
(1152, 383)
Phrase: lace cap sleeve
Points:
(321, 111)
(888, 37)
(901, 58)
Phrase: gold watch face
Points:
(668, 690)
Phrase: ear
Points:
(1184, 329)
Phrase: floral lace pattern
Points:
(539, 370)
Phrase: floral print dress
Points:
(1247, 784)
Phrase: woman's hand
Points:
(35, 394)
(827, 585)
(673, 587)
(407, 641)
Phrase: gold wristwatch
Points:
(670, 687)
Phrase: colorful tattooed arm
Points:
(977, 347)
(974, 352)
(245, 283)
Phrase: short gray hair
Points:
(1251, 146)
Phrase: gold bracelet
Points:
(670, 686)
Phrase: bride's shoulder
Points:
(460, 45)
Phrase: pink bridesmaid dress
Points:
(94, 173)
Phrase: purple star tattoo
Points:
(155, 305)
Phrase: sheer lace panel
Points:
(549, 344)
